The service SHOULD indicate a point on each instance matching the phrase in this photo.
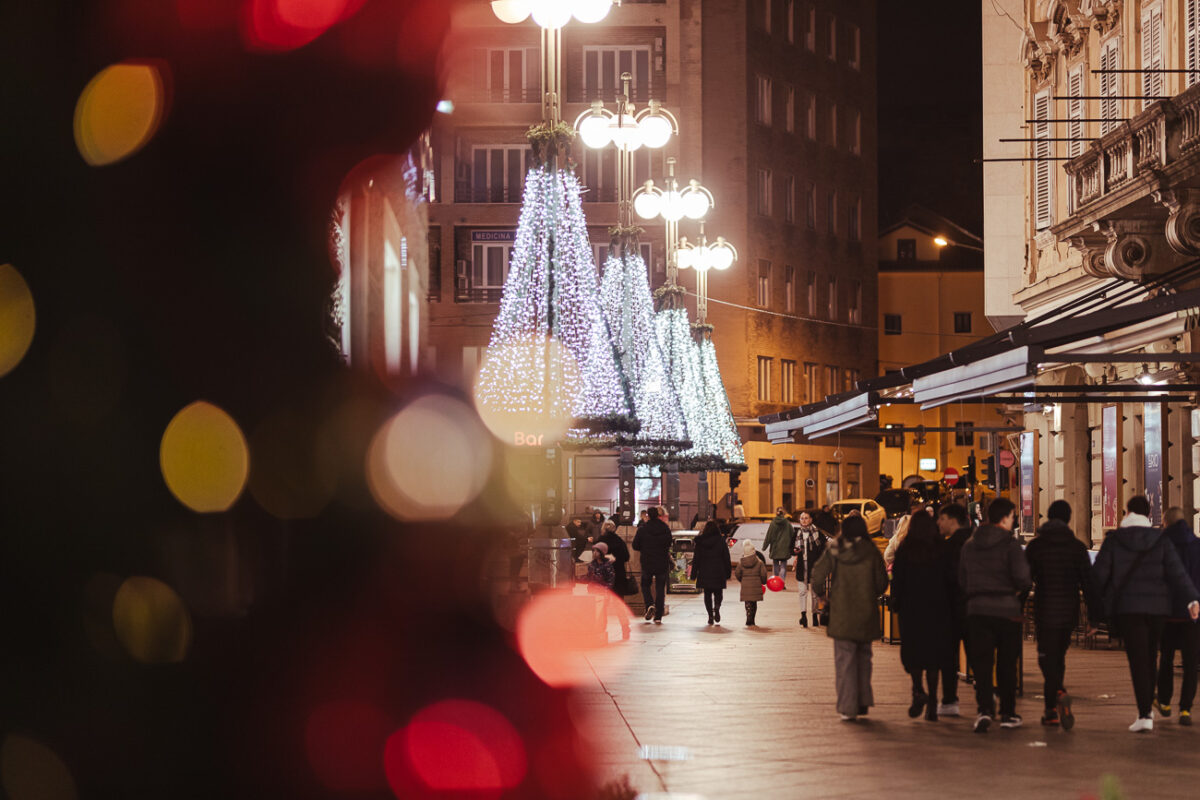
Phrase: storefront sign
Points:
(494, 236)
(1028, 481)
(1152, 418)
(1110, 445)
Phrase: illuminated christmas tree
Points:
(726, 444)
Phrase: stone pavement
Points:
(731, 712)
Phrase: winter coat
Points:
(653, 541)
(1188, 546)
(859, 577)
(601, 574)
(620, 553)
(578, 537)
(954, 545)
(710, 561)
(922, 591)
(993, 573)
(810, 543)
(752, 572)
(593, 528)
(1061, 569)
(779, 539)
(1150, 588)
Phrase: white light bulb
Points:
(592, 10)
(647, 205)
(594, 131)
(722, 257)
(672, 206)
(511, 11)
(656, 131)
(695, 204)
(683, 257)
(551, 14)
(702, 259)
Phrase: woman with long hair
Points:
(711, 568)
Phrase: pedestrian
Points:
(955, 527)
(578, 537)
(1140, 573)
(778, 543)
(889, 553)
(810, 543)
(751, 572)
(620, 553)
(601, 580)
(1061, 570)
(826, 521)
(643, 518)
(1180, 633)
(711, 568)
(993, 572)
(595, 526)
(857, 577)
(922, 589)
(653, 541)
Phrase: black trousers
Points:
(712, 599)
(1052, 644)
(950, 662)
(931, 679)
(1184, 637)
(994, 642)
(659, 598)
(1142, 633)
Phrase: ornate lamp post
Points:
(702, 257)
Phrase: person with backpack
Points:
(778, 543)
(711, 568)
(1139, 571)
(1180, 633)
(1061, 570)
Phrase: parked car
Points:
(871, 512)
(897, 502)
(755, 531)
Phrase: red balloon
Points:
(775, 583)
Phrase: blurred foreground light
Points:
(343, 740)
(204, 458)
(445, 106)
(287, 24)
(151, 621)
(119, 111)
(430, 460)
(512, 11)
(456, 746)
(31, 771)
(524, 391)
(17, 318)
(558, 633)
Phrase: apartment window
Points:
(1110, 84)
(766, 477)
(833, 125)
(853, 480)
(599, 172)
(962, 321)
(789, 7)
(964, 434)
(854, 221)
(497, 175)
(1042, 150)
(810, 121)
(810, 294)
(893, 439)
(789, 485)
(789, 289)
(1192, 45)
(831, 213)
(810, 207)
(906, 249)
(1152, 56)
(789, 200)
(855, 303)
(831, 51)
(810, 32)
(853, 376)
(789, 109)
(762, 113)
(833, 482)
(602, 68)
(856, 134)
(489, 268)
(855, 47)
(810, 383)
(512, 75)
(833, 298)
(831, 380)
(787, 381)
(764, 192)
(764, 282)
(1075, 112)
(764, 379)
(892, 325)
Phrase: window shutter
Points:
(1152, 82)
(1041, 166)
(533, 75)
(1110, 59)
(1075, 112)
(1193, 40)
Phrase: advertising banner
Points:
(1110, 445)
(1153, 427)
(1028, 481)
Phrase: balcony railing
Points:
(466, 192)
(519, 94)
(477, 294)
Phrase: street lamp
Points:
(551, 13)
(942, 241)
(702, 257)
(672, 205)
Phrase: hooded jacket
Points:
(1158, 579)
(1188, 546)
(751, 572)
(859, 577)
(993, 573)
(1061, 569)
(653, 540)
(620, 554)
(710, 561)
(779, 539)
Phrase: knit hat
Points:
(854, 528)
(601, 547)
(748, 548)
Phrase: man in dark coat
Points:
(993, 572)
(1061, 570)
(1139, 573)
(1180, 633)
(653, 541)
(955, 527)
(711, 568)
(595, 526)
(578, 536)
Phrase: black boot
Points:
(710, 618)
(803, 619)
(919, 699)
(717, 613)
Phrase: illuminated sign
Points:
(928, 465)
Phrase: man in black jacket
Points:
(955, 527)
(653, 541)
(1061, 570)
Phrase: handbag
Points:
(631, 586)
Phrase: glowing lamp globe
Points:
(551, 14)
(683, 258)
(594, 131)
(647, 205)
(511, 11)
(722, 256)
(625, 133)
(656, 131)
(672, 206)
(592, 10)
(701, 258)
(695, 204)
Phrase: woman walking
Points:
(854, 567)
(810, 543)
(711, 568)
(751, 572)
(922, 588)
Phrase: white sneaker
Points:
(848, 717)
(1142, 725)
(982, 723)
(947, 709)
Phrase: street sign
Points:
(1007, 459)
(950, 476)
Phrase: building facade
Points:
(776, 105)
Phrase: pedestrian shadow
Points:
(716, 629)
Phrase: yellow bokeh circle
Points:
(17, 318)
(31, 771)
(204, 458)
(151, 621)
(119, 111)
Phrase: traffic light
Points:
(988, 473)
(969, 472)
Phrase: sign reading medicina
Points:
(1110, 446)
(1152, 425)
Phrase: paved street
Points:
(754, 710)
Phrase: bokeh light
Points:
(151, 621)
(17, 318)
(287, 24)
(558, 632)
(430, 460)
(524, 391)
(456, 746)
(31, 771)
(294, 475)
(204, 458)
(119, 111)
(343, 740)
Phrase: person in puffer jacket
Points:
(994, 575)
(1180, 633)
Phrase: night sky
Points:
(930, 109)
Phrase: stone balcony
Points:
(1134, 195)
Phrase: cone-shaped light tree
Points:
(724, 443)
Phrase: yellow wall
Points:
(926, 249)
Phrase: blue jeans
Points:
(779, 568)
